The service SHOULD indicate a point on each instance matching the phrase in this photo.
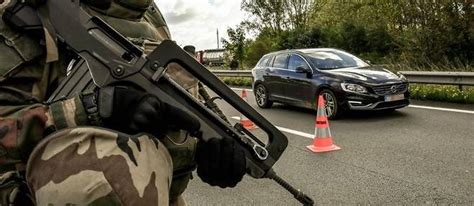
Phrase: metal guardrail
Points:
(232, 73)
(448, 78)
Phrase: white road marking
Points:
(441, 109)
(411, 105)
(283, 129)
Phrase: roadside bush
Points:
(426, 65)
(233, 81)
(444, 93)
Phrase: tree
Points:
(236, 43)
(267, 14)
(280, 15)
(301, 38)
(419, 32)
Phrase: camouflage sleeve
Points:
(22, 127)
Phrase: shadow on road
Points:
(374, 115)
(350, 115)
(285, 107)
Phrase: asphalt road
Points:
(412, 156)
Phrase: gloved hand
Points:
(129, 110)
(13, 189)
(35, 3)
(220, 162)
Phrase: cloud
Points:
(174, 18)
(194, 22)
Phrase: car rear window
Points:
(280, 61)
(263, 61)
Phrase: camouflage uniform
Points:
(86, 165)
(61, 168)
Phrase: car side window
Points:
(295, 62)
(280, 61)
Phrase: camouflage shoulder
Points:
(154, 16)
(97, 166)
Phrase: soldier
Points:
(68, 152)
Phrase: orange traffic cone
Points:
(323, 139)
(243, 119)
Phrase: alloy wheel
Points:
(261, 97)
(330, 104)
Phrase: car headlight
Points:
(353, 88)
(402, 77)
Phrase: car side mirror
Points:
(303, 70)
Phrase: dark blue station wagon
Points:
(298, 77)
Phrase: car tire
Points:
(333, 109)
(262, 97)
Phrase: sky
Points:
(195, 22)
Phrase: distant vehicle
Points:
(213, 57)
(298, 77)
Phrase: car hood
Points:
(370, 75)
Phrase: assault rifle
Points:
(108, 58)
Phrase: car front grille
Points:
(390, 89)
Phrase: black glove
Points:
(100, 4)
(129, 110)
(14, 190)
(35, 3)
(220, 162)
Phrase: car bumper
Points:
(374, 102)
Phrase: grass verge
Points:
(443, 93)
(235, 81)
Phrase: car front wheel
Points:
(332, 105)
(261, 97)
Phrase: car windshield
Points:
(334, 59)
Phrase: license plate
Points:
(396, 97)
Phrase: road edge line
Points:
(441, 109)
(291, 131)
